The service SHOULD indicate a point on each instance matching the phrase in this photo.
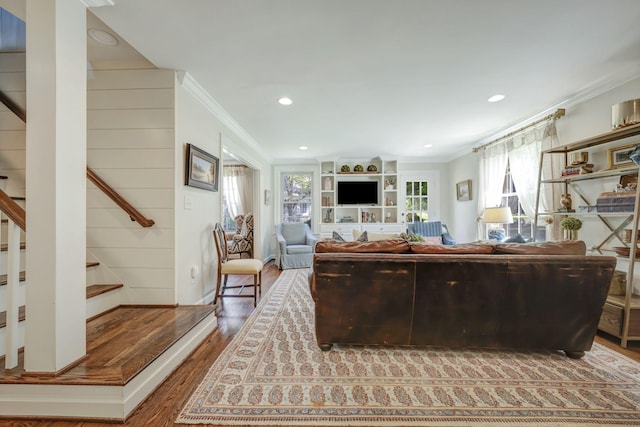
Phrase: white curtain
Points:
(493, 164)
(524, 151)
(238, 188)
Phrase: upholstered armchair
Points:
(432, 229)
(242, 241)
(296, 245)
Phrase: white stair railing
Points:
(13, 282)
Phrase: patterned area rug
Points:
(273, 373)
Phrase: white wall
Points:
(198, 125)
(12, 129)
(130, 144)
(582, 120)
(462, 217)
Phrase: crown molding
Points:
(98, 3)
(198, 92)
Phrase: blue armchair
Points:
(296, 245)
(432, 229)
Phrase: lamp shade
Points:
(497, 216)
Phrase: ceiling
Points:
(386, 77)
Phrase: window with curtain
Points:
(522, 224)
(296, 197)
(509, 177)
(237, 193)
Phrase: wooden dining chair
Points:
(241, 266)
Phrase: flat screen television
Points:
(357, 192)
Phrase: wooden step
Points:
(4, 177)
(18, 198)
(95, 290)
(92, 264)
(3, 247)
(130, 351)
(3, 278)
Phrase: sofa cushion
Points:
(562, 247)
(395, 246)
(467, 248)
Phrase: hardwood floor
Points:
(163, 406)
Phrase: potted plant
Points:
(570, 226)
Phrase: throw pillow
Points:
(364, 237)
(372, 237)
(337, 237)
(433, 240)
(515, 239)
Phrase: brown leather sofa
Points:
(520, 296)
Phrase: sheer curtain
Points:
(524, 157)
(493, 164)
(238, 187)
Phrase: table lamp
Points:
(498, 215)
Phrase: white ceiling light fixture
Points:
(303, 148)
(496, 98)
(285, 101)
(428, 145)
(102, 37)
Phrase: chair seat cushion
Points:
(242, 266)
(299, 249)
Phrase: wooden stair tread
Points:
(120, 344)
(4, 177)
(92, 264)
(3, 278)
(18, 198)
(95, 290)
(3, 247)
(3, 316)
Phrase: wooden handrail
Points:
(13, 107)
(134, 214)
(13, 210)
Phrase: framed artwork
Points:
(619, 156)
(463, 190)
(201, 169)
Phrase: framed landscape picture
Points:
(463, 190)
(201, 169)
(619, 156)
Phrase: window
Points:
(296, 197)
(522, 224)
(417, 201)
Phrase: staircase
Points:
(150, 341)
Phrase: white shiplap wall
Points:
(12, 129)
(130, 144)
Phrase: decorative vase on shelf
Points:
(570, 234)
(327, 184)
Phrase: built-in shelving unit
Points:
(381, 217)
(621, 315)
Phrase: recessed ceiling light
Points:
(496, 98)
(303, 148)
(102, 37)
(285, 101)
(428, 145)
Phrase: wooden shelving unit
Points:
(621, 315)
